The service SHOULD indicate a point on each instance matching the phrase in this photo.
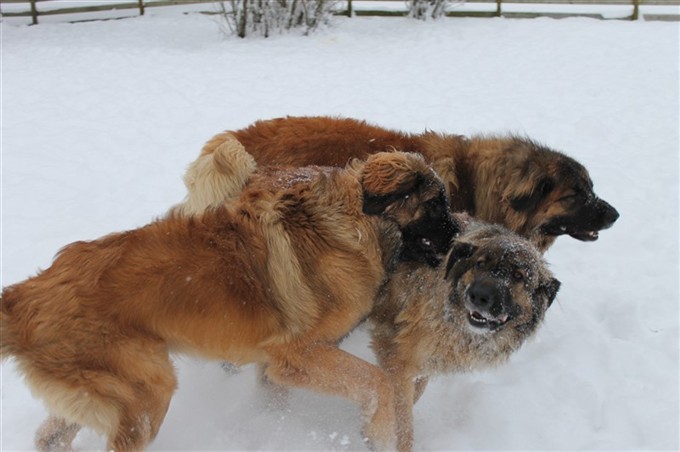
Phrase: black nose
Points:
(603, 214)
(611, 214)
(483, 295)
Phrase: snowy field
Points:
(100, 119)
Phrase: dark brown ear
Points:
(376, 204)
(530, 201)
(459, 250)
(549, 289)
(389, 177)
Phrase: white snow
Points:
(100, 119)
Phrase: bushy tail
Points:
(216, 176)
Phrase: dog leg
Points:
(326, 368)
(277, 395)
(407, 388)
(420, 386)
(55, 434)
(140, 420)
(139, 423)
(404, 398)
(147, 380)
(133, 432)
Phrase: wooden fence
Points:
(488, 8)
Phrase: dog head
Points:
(550, 194)
(401, 187)
(500, 283)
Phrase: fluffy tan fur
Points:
(216, 177)
(278, 276)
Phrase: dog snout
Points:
(484, 295)
(608, 213)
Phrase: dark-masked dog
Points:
(277, 276)
(529, 188)
(469, 314)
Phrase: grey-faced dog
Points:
(469, 314)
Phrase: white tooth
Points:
(478, 317)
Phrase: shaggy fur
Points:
(528, 188)
(277, 276)
(472, 313)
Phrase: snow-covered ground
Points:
(100, 119)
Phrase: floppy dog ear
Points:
(529, 201)
(389, 177)
(377, 204)
(459, 250)
(550, 289)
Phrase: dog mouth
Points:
(585, 236)
(486, 321)
(579, 234)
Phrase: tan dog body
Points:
(278, 276)
(528, 188)
(423, 323)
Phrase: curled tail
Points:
(218, 174)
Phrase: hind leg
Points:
(138, 427)
(55, 434)
(150, 378)
(140, 421)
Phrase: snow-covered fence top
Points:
(74, 10)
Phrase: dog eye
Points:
(425, 242)
(435, 205)
(518, 276)
(479, 263)
(571, 194)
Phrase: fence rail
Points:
(36, 8)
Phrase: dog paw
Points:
(379, 437)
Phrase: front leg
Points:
(404, 398)
(276, 395)
(401, 366)
(326, 368)
(420, 386)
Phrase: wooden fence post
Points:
(349, 8)
(636, 10)
(141, 7)
(34, 12)
(498, 8)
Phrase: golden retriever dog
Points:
(529, 188)
(278, 276)
(469, 314)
